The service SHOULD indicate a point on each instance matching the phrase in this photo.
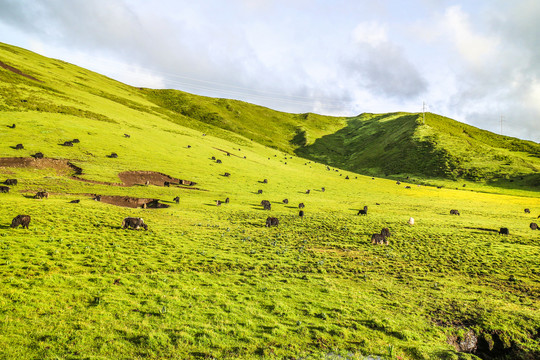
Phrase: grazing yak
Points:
(4, 189)
(176, 199)
(264, 202)
(113, 155)
(378, 239)
(218, 202)
(265, 181)
(347, 177)
(67, 143)
(307, 191)
(301, 206)
(19, 147)
(11, 182)
(259, 191)
(504, 231)
(166, 183)
(11, 126)
(75, 141)
(23, 220)
(97, 197)
(527, 211)
(323, 189)
(218, 161)
(272, 221)
(227, 174)
(267, 206)
(285, 201)
(301, 213)
(127, 135)
(41, 195)
(75, 201)
(533, 226)
(134, 223)
(227, 200)
(363, 211)
(38, 155)
(454, 212)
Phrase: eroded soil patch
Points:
(64, 167)
(17, 71)
(132, 202)
(61, 166)
(130, 178)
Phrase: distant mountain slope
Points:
(395, 144)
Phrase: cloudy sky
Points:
(472, 60)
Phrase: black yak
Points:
(272, 221)
(301, 206)
(218, 161)
(307, 191)
(113, 155)
(11, 182)
(134, 223)
(265, 181)
(41, 195)
(23, 220)
(75, 141)
(323, 189)
(75, 201)
(263, 202)
(259, 191)
(19, 147)
(285, 201)
(533, 226)
(527, 211)
(378, 239)
(226, 174)
(504, 231)
(454, 212)
(176, 199)
(227, 200)
(67, 143)
(38, 155)
(267, 206)
(363, 212)
(167, 184)
(301, 213)
(4, 189)
(218, 202)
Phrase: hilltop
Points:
(208, 279)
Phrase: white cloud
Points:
(371, 32)
(474, 47)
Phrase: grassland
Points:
(213, 282)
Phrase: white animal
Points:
(411, 221)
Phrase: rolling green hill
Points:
(395, 145)
(210, 280)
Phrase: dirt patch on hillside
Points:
(18, 72)
(132, 202)
(61, 166)
(64, 167)
(130, 178)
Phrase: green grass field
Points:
(209, 281)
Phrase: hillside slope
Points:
(401, 144)
(395, 144)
